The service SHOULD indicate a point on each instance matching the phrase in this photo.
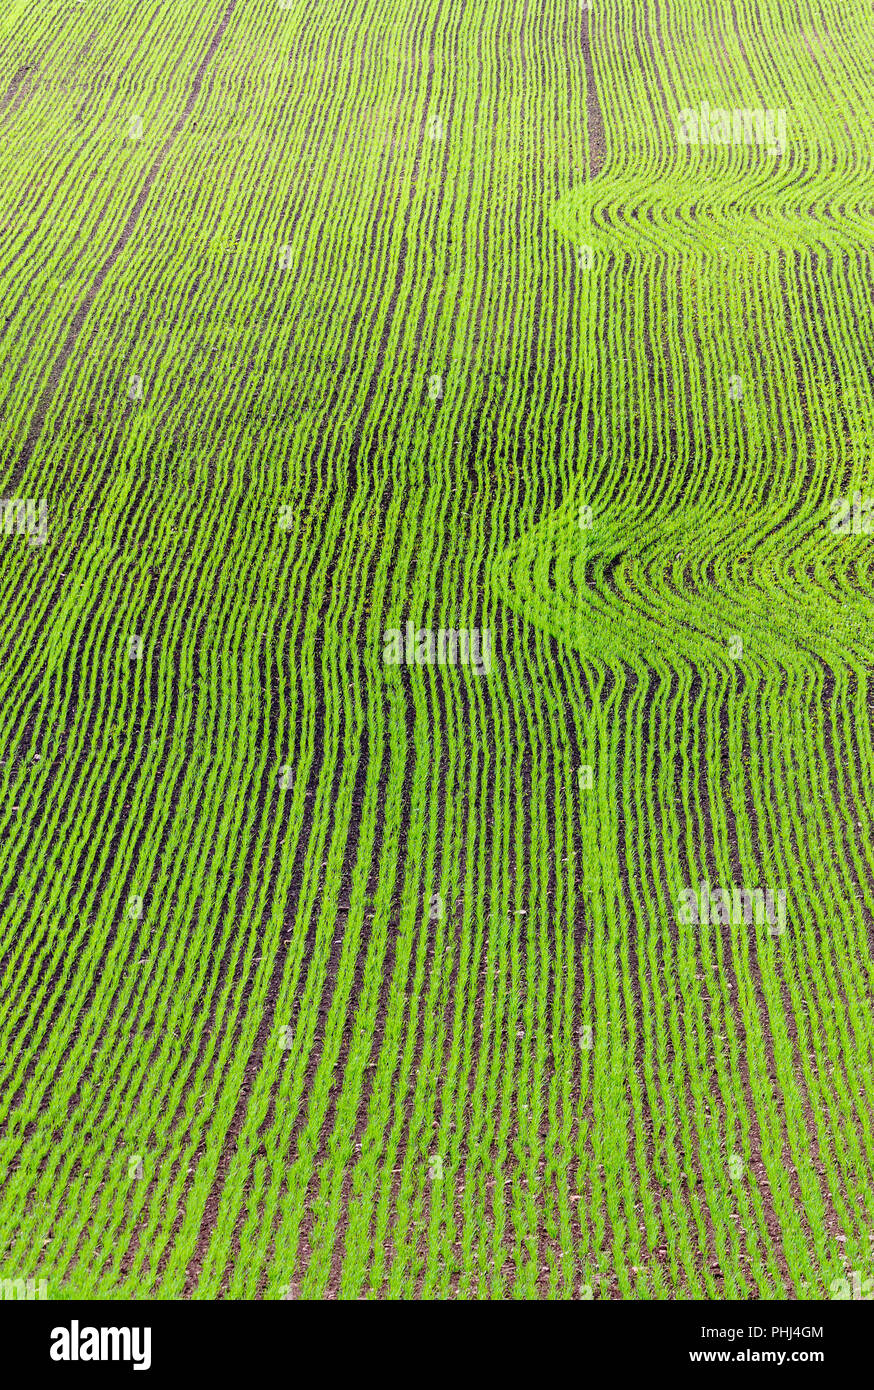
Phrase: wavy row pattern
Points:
(326, 975)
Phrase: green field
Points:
(341, 956)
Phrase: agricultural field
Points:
(437, 760)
